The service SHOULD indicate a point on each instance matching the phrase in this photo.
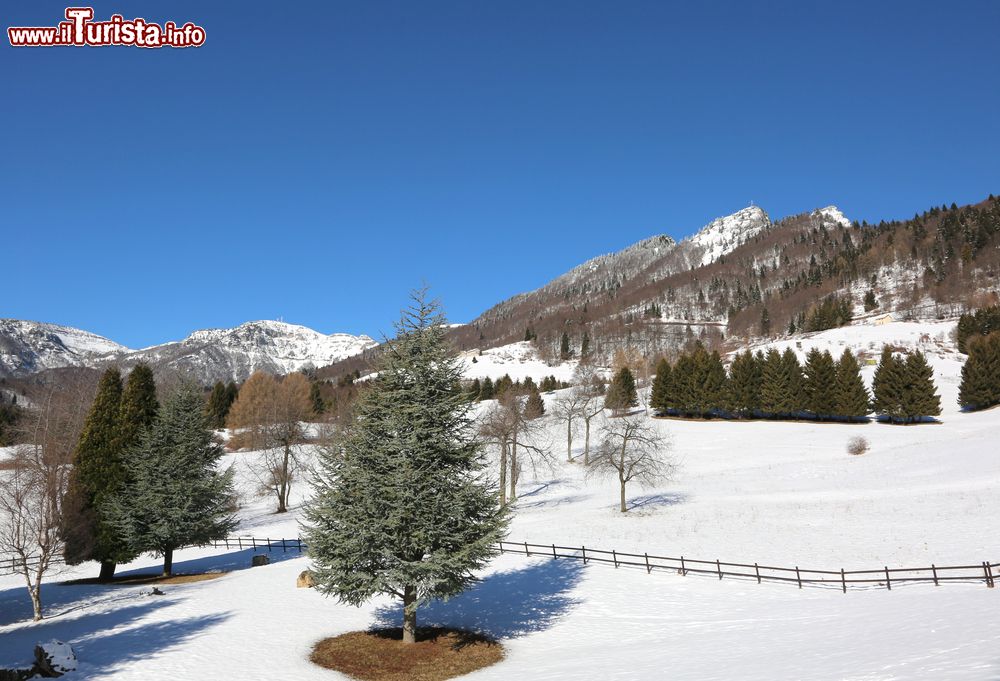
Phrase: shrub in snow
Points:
(857, 445)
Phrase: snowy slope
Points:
(725, 234)
(26, 346)
(519, 360)
(775, 493)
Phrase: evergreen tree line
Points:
(777, 386)
(980, 386)
(488, 389)
(220, 400)
(10, 413)
(981, 322)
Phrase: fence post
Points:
(683, 569)
(798, 576)
(227, 543)
(615, 557)
(268, 540)
(501, 547)
(718, 566)
(254, 540)
(584, 555)
(989, 574)
(648, 569)
(843, 580)
(756, 568)
(934, 571)
(283, 549)
(888, 581)
(526, 551)
(554, 552)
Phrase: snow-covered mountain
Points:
(233, 354)
(723, 235)
(205, 356)
(27, 347)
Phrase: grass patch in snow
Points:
(381, 655)
(138, 580)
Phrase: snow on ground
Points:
(775, 493)
(520, 360)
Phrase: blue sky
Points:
(315, 161)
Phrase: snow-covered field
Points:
(777, 493)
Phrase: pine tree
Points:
(316, 398)
(621, 395)
(794, 390)
(660, 396)
(175, 495)
(765, 322)
(772, 384)
(870, 302)
(534, 406)
(852, 398)
(745, 383)
(475, 388)
(564, 349)
(683, 395)
(139, 405)
(819, 384)
(585, 346)
(402, 508)
(920, 398)
(97, 474)
(714, 384)
(888, 385)
(215, 405)
(980, 387)
(486, 392)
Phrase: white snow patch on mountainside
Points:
(519, 360)
(833, 214)
(39, 345)
(725, 234)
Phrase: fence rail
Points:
(985, 571)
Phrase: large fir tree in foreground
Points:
(980, 386)
(175, 495)
(403, 507)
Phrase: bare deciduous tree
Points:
(569, 410)
(33, 483)
(506, 427)
(632, 449)
(591, 388)
(268, 415)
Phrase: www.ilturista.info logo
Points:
(79, 30)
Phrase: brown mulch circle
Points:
(381, 655)
(139, 580)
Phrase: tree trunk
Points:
(168, 562)
(35, 590)
(107, 571)
(503, 474)
(283, 486)
(409, 614)
(586, 442)
(621, 476)
(624, 508)
(569, 441)
(513, 471)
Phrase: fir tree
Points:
(853, 400)
(980, 387)
(97, 474)
(745, 382)
(684, 390)
(660, 396)
(139, 405)
(486, 392)
(402, 508)
(585, 346)
(888, 385)
(765, 322)
(534, 406)
(175, 496)
(920, 398)
(795, 394)
(214, 406)
(475, 388)
(870, 302)
(316, 398)
(564, 349)
(820, 376)
(621, 395)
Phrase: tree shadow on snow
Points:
(650, 501)
(503, 605)
(223, 562)
(101, 640)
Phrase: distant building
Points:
(886, 318)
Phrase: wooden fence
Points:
(985, 572)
